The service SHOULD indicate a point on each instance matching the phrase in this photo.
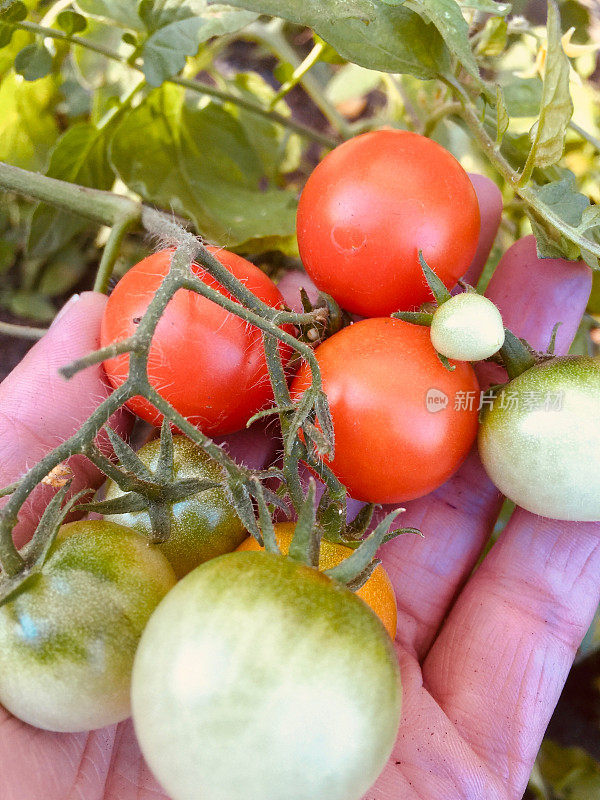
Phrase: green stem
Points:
(439, 114)
(299, 73)
(21, 331)
(593, 140)
(105, 208)
(193, 85)
(111, 249)
(517, 358)
(272, 36)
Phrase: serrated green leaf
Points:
(13, 12)
(493, 37)
(33, 62)
(94, 69)
(562, 198)
(197, 161)
(523, 97)
(71, 22)
(278, 151)
(501, 116)
(367, 32)
(448, 19)
(63, 271)
(79, 157)
(177, 29)
(548, 134)
(29, 305)
(124, 12)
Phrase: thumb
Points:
(39, 409)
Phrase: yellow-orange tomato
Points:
(377, 592)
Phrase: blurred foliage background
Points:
(159, 99)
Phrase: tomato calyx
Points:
(35, 552)
(355, 570)
(155, 490)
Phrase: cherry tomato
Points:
(208, 363)
(371, 205)
(377, 592)
(403, 423)
(204, 525)
(540, 440)
(467, 327)
(68, 638)
(259, 677)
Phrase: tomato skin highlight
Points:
(382, 378)
(371, 205)
(68, 638)
(204, 525)
(208, 363)
(547, 460)
(258, 677)
(377, 592)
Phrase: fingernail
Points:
(70, 302)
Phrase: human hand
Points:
(479, 688)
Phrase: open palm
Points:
(483, 658)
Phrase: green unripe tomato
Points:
(204, 525)
(68, 638)
(540, 441)
(259, 678)
(468, 327)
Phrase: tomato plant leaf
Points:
(493, 37)
(178, 28)
(123, 12)
(487, 6)
(198, 162)
(562, 198)
(548, 134)
(33, 62)
(367, 32)
(71, 22)
(80, 156)
(448, 19)
(64, 269)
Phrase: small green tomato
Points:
(259, 677)
(69, 636)
(204, 525)
(540, 441)
(468, 327)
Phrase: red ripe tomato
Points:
(400, 430)
(371, 205)
(208, 363)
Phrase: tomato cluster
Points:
(256, 653)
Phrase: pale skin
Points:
(483, 658)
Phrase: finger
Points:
(291, 284)
(39, 409)
(490, 210)
(501, 660)
(254, 447)
(456, 520)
